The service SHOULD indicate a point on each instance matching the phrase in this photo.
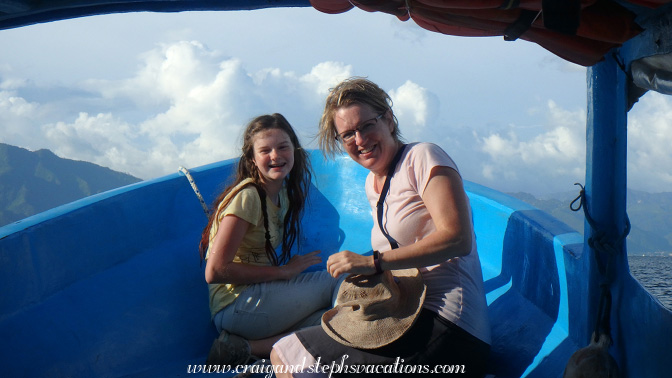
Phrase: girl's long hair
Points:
(297, 184)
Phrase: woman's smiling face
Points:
(273, 155)
(374, 148)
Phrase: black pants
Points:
(432, 344)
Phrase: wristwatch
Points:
(376, 262)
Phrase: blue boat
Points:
(111, 285)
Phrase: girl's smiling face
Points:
(273, 155)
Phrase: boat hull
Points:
(112, 286)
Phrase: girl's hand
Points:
(299, 263)
(349, 262)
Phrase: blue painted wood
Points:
(606, 185)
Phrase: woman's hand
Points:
(349, 262)
(299, 263)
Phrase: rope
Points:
(196, 191)
(602, 321)
(600, 242)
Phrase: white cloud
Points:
(553, 160)
(166, 74)
(17, 117)
(100, 139)
(546, 162)
(649, 141)
(325, 76)
(194, 104)
(15, 106)
(415, 108)
(10, 84)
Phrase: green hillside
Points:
(32, 182)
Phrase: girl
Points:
(256, 296)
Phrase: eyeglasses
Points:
(348, 137)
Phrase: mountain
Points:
(32, 182)
(650, 217)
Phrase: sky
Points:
(146, 93)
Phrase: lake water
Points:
(655, 274)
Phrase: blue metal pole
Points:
(606, 147)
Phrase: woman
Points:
(255, 296)
(424, 222)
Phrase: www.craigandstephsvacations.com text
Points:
(340, 367)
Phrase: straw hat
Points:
(374, 311)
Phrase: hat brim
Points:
(378, 324)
